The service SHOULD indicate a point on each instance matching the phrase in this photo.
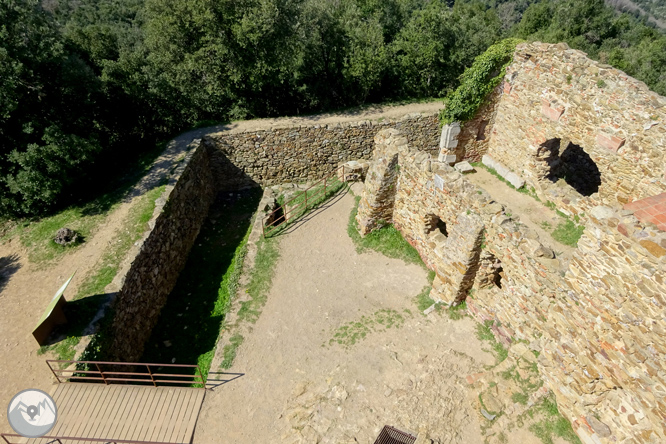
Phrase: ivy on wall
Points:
(477, 82)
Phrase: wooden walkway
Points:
(125, 412)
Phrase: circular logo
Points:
(32, 413)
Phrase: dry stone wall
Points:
(598, 320)
(178, 216)
(298, 154)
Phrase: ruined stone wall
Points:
(474, 136)
(178, 216)
(599, 321)
(302, 153)
(553, 92)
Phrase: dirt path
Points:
(297, 386)
(374, 112)
(27, 289)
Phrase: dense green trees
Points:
(87, 84)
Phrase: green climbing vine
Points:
(477, 82)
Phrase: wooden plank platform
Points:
(125, 412)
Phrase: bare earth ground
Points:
(298, 386)
(27, 289)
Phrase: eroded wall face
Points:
(552, 92)
(600, 322)
(299, 154)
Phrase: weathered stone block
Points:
(464, 167)
(514, 180)
(449, 137)
(612, 143)
(550, 110)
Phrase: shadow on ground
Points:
(189, 323)
(80, 315)
(8, 266)
(217, 379)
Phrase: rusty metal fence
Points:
(113, 375)
(298, 205)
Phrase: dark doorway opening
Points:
(434, 224)
(572, 164)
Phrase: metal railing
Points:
(65, 439)
(286, 212)
(111, 376)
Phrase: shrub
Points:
(477, 82)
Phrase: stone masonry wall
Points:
(376, 205)
(600, 322)
(474, 136)
(180, 212)
(302, 153)
(553, 92)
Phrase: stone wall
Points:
(298, 154)
(179, 214)
(376, 205)
(552, 92)
(474, 135)
(599, 320)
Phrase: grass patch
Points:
(520, 398)
(83, 307)
(553, 423)
(353, 332)
(136, 225)
(37, 236)
(63, 349)
(568, 232)
(190, 321)
(484, 333)
(260, 281)
(230, 350)
(458, 312)
(423, 300)
(386, 240)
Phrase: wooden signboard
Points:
(53, 315)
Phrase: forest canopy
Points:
(88, 85)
